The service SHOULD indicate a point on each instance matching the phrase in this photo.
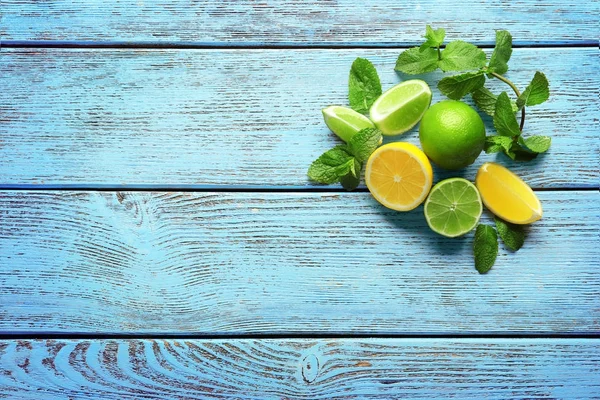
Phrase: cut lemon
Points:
(453, 207)
(399, 176)
(345, 122)
(506, 195)
(400, 108)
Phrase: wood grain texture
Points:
(300, 369)
(204, 118)
(341, 22)
(217, 263)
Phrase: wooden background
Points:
(159, 238)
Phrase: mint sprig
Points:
(471, 61)
(364, 86)
(344, 163)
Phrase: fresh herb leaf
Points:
(457, 86)
(364, 143)
(364, 85)
(485, 248)
(512, 235)
(502, 52)
(494, 144)
(537, 144)
(486, 101)
(331, 165)
(505, 121)
(536, 92)
(518, 152)
(413, 61)
(461, 56)
(351, 180)
(435, 38)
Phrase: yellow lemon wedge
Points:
(399, 176)
(506, 195)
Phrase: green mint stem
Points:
(439, 53)
(514, 88)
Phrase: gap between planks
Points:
(49, 44)
(222, 189)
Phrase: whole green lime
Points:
(452, 134)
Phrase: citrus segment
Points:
(345, 122)
(506, 195)
(400, 108)
(453, 207)
(399, 176)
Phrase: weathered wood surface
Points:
(300, 369)
(213, 263)
(207, 118)
(341, 22)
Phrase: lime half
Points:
(453, 207)
(400, 108)
(345, 122)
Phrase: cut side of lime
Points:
(401, 108)
(345, 122)
(453, 207)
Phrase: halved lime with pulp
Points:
(453, 207)
(345, 122)
(400, 108)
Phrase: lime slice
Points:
(453, 207)
(345, 122)
(400, 108)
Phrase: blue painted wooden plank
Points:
(300, 369)
(284, 22)
(206, 118)
(218, 263)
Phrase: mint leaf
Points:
(512, 235)
(486, 101)
(351, 180)
(364, 85)
(505, 121)
(537, 144)
(435, 38)
(364, 143)
(502, 52)
(461, 56)
(331, 165)
(518, 152)
(485, 248)
(457, 86)
(536, 93)
(494, 144)
(413, 61)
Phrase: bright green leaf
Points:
(536, 93)
(413, 61)
(457, 86)
(537, 144)
(351, 180)
(486, 101)
(502, 52)
(512, 235)
(494, 144)
(364, 143)
(485, 248)
(331, 165)
(505, 121)
(435, 38)
(462, 56)
(364, 85)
